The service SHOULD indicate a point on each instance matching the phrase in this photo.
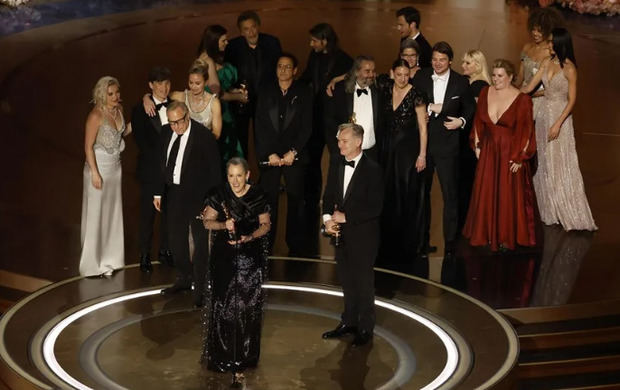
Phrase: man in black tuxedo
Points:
(147, 132)
(190, 168)
(283, 127)
(356, 100)
(326, 61)
(353, 200)
(451, 107)
(255, 55)
(408, 24)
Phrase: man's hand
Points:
(453, 123)
(230, 225)
(157, 204)
(330, 227)
(339, 217)
(275, 160)
(149, 106)
(289, 158)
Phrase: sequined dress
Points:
(558, 182)
(103, 248)
(404, 197)
(530, 68)
(233, 311)
(203, 117)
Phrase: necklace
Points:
(197, 104)
(112, 112)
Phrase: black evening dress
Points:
(233, 311)
(404, 195)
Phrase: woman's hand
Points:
(435, 107)
(149, 105)
(96, 179)
(230, 225)
(554, 132)
(514, 167)
(420, 163)
(242, 240)
(477, 151)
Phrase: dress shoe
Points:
(340, 331)
(165, 257)
(362, 338)
(176, 288)
(145, 264)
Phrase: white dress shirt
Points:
(440, 83)
(163, 117)
(176, 175)
(348, 174)
(362, 107)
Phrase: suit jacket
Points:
(338, 63)
(458, 102)
(267, 50)
(339, 110)
(201, 170)
(361, 204)
(426, 51)
(147, 132)
(297, 124)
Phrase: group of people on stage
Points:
(386, 136)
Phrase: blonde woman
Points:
(103, 248)
(475, 67)
(204, 107)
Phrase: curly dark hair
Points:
(545, 19)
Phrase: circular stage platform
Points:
(120, 333)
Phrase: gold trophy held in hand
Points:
(336, 237)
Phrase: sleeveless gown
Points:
(203, 117)
(558, 182)
(103, 247)
(503, 206)
(403, 207)
(228, 142)
(530, 68)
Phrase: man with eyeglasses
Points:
(190, 169)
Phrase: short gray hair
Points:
(238, 161)
(358, 130)
(175, 105)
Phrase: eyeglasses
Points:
(178, 122)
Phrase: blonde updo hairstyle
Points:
(200, 67)
(100, 92)
(482, 69)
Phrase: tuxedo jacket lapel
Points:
(349, 101)
(188, 149)
(340, 195)
(374, 94)
(354, 178)
(273, 113)
(449, 88)
(291, 109)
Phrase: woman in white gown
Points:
(103, 248)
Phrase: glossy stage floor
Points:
(119, 333)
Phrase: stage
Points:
(436, 324)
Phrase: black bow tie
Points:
(160, 105)
(361, 91)
(349, 163)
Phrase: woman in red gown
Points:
(502, 207)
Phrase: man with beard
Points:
(356, 101)
(326, 60)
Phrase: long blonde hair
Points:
(478, 58)
(101, 90)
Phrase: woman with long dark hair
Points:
(211, 50)
(558, 182)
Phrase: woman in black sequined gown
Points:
(237, 216)
(403, 157)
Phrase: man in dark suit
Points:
(255, 55)
(356, 100)
(147, 132)
(408, 24)
(352, 201)
(190, 168)
(326, 61)
(283, 126)
(451, 107)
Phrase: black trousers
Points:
(355, 259)
(448, 174)
(147, 221)
(295, 215)
(180, 216)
